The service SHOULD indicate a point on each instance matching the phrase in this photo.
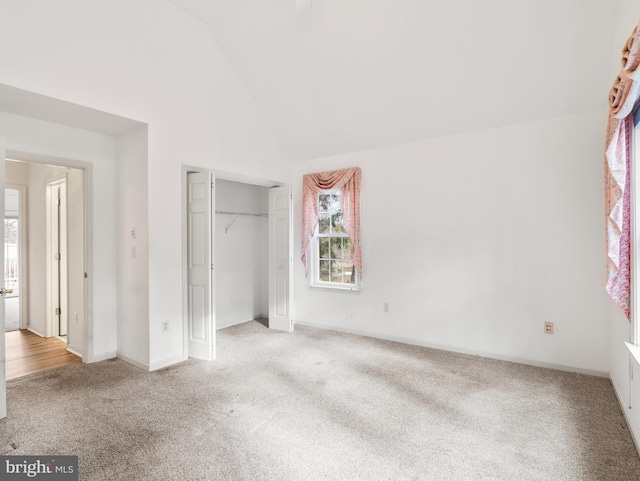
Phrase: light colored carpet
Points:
(320, 405)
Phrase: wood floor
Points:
(28, 353)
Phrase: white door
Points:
(3, 376)
(199, 279)
(280, 260)
(56, 226)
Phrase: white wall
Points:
(133, 267)
(17, 173)
(475, 241)
(149, 61)
(43, 140)
(241, 274)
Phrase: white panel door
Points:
(280, 260)
(57, 259)
(199, 280)
(3, 374)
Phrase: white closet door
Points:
(200, 319)
(280, 260)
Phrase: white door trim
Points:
(245, 179)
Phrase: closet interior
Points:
(241, 253)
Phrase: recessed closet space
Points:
(241, 253)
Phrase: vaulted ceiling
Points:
(347, 75)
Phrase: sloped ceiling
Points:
(347, 75)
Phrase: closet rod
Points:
(241, 213)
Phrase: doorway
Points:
(243, 276)
(241, 251)
(51, 273)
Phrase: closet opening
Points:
(238, 237)
(241, 250)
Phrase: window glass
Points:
(334, 247)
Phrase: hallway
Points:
(28, 353)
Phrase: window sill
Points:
(336, 288)
(634, 350)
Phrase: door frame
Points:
(86, 348)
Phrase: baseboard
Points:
(74, 351)
(224, 325)
(170, 361)
(236, 323)
(37, 332)
(134, 362)
(472, 352)
(103, 356)
(624, 405)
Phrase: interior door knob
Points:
(4, 292)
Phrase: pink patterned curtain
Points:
(348, 182)
(622, 99)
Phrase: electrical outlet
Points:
(385, 307)
(548, 327)
(165, 326)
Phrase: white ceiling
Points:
(347, 75)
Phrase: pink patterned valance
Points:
(348, 182)
(622, 99)
(626, 88)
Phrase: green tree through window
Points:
(335, 249)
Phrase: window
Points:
(331, 251)
(333, 248)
